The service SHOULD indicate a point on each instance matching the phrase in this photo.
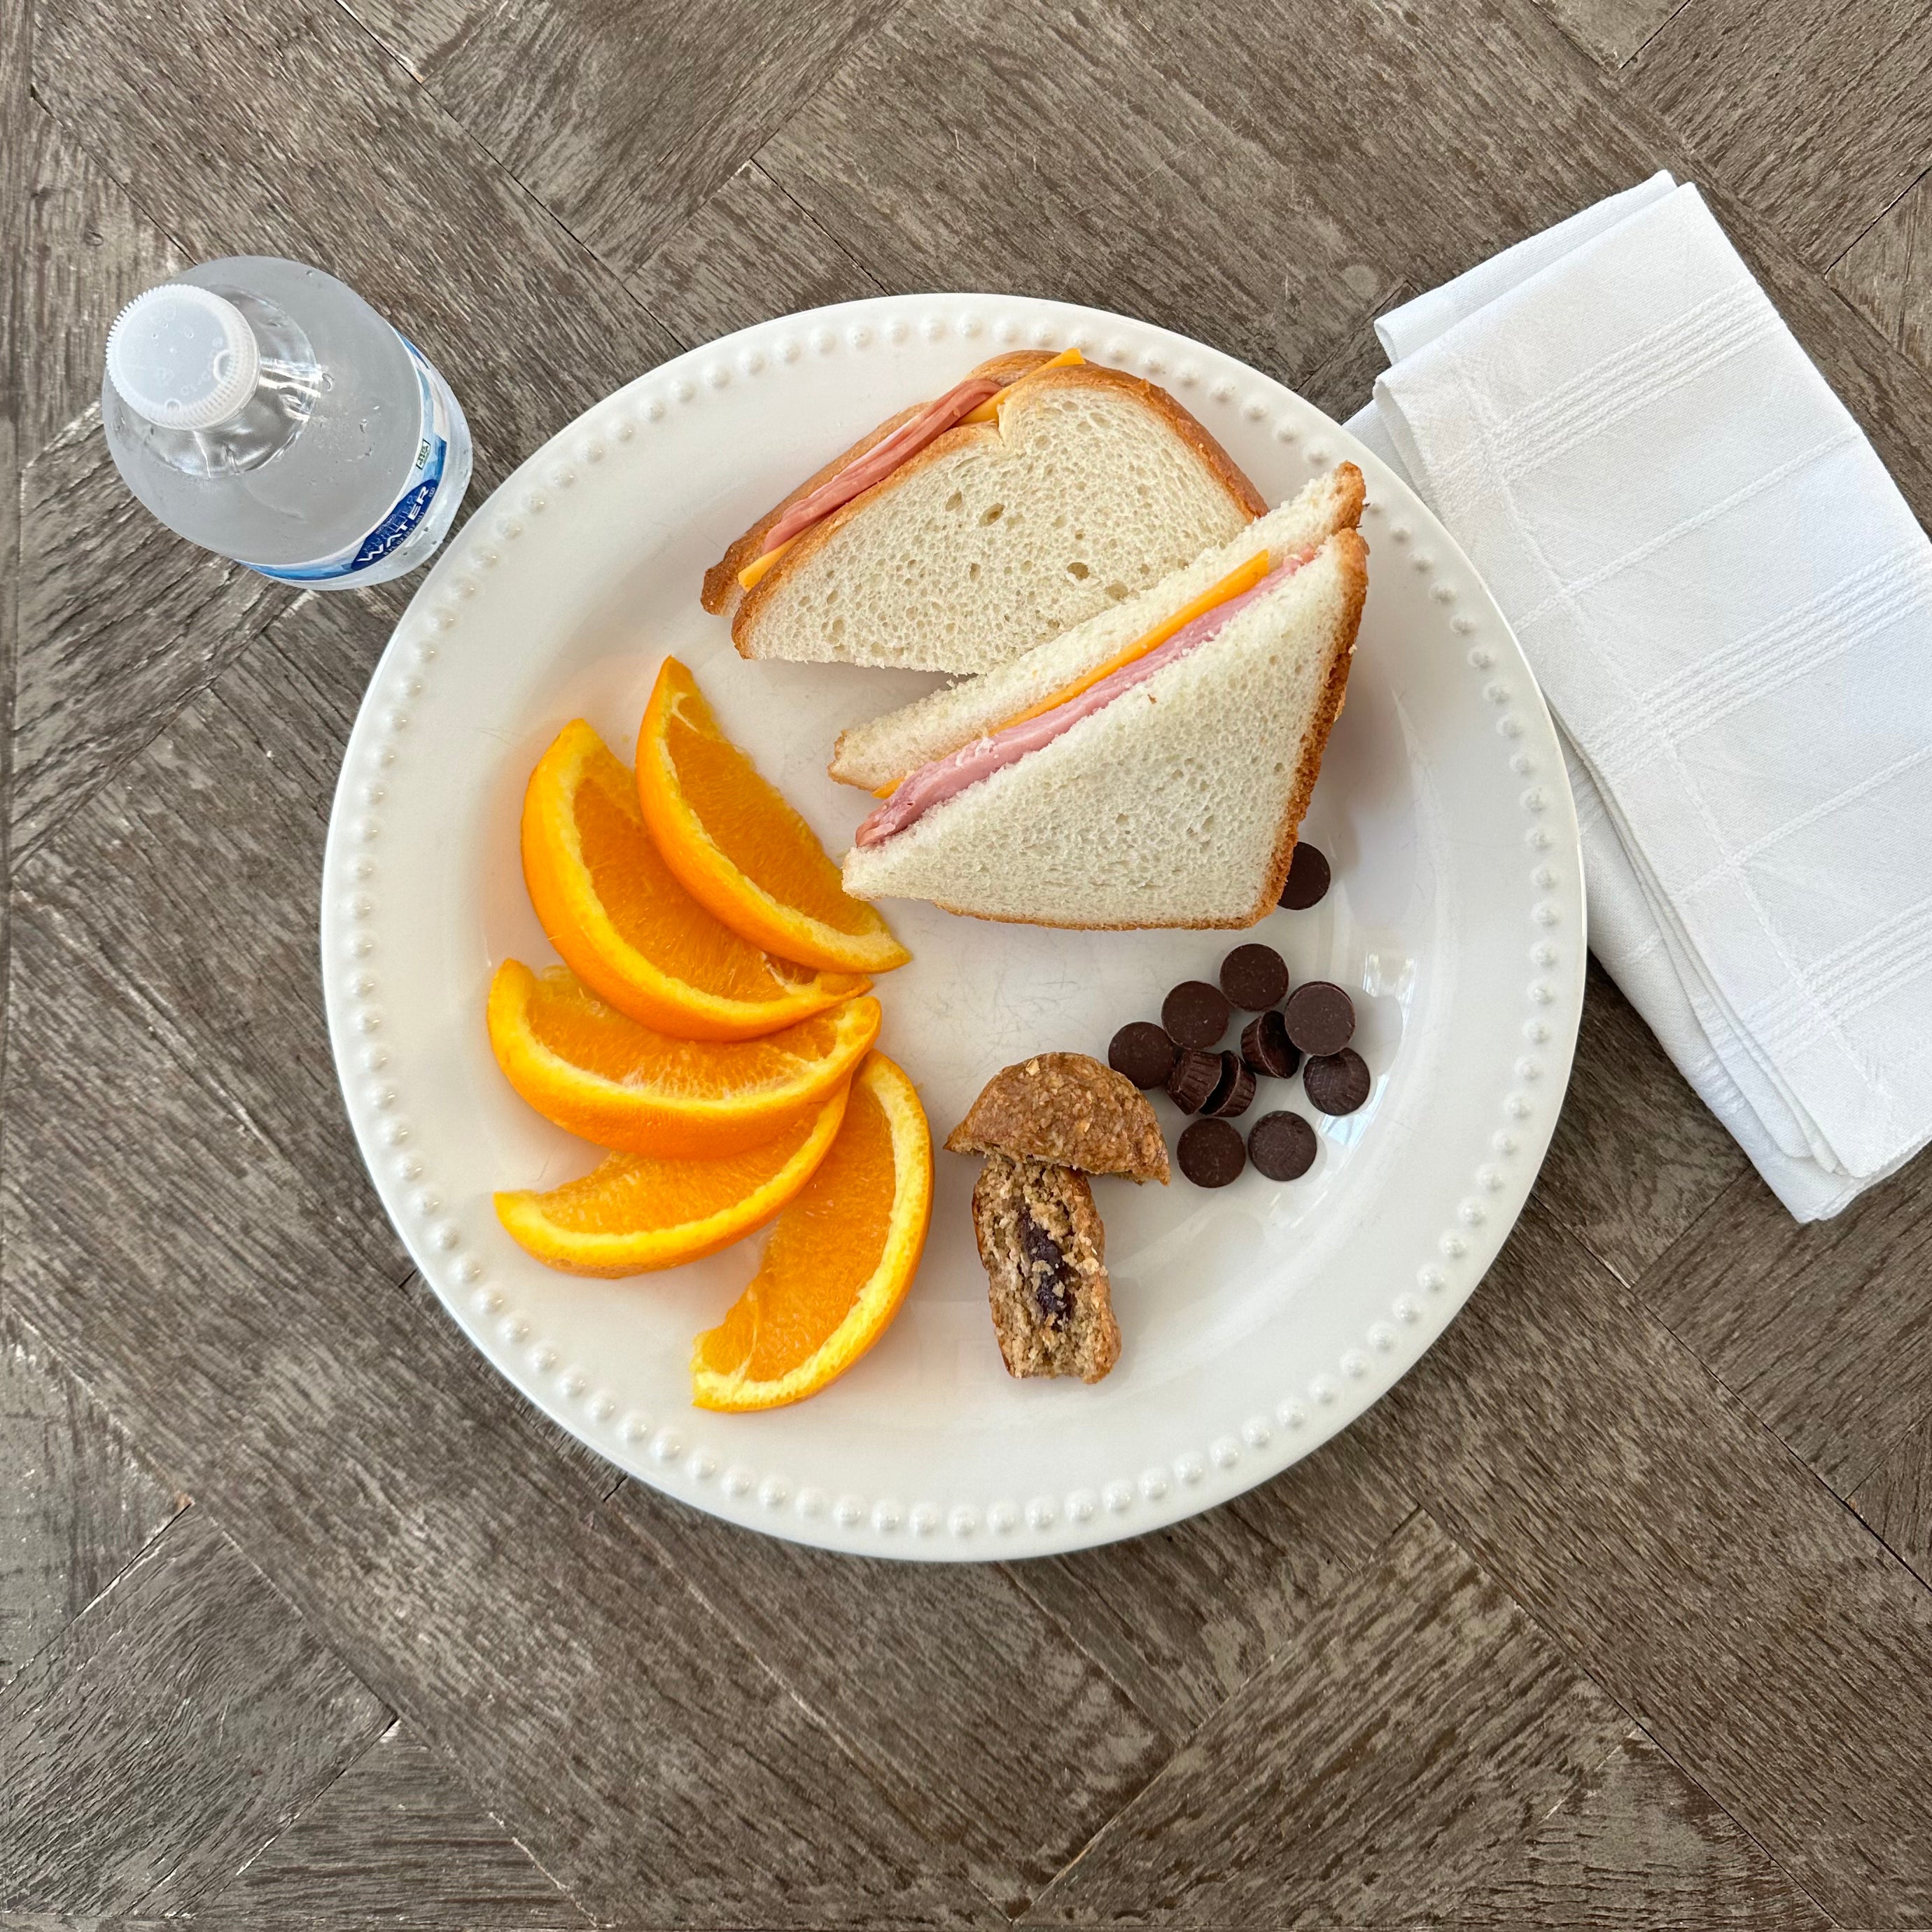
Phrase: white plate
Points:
(1259, 1320)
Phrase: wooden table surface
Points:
(1615, 1613)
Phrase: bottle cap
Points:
(182, 357)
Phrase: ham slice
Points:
(882, 459)
(920, 791)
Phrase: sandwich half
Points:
(1150, 768)
(1037, 492)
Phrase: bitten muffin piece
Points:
(1068, 1109)
(1045, 1253)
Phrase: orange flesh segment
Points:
(821, 1253)
(751, 822)
(650, 910)
(987, 412)
(577, 1027)
(632, 1193)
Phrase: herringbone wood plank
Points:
(76, 1506)
(396, 1839)
(179, 1721)
(1619, 1522)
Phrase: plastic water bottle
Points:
(263, 410)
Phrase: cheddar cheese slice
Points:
(1243, 576)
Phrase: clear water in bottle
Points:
(264, 410)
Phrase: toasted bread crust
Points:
(721, 581)
(1355, 560)
(1083, 375)
(1314, 742)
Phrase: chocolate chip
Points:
(1196, 1014)
(1267, 1047)
(1234, 1092)
(1046, 1269)
(1307, 881)
(1282, 1146)
(1254, 976)
(1143, 1052)
(1210, 1153)
(1321, 1017)
(1195, 1075)
(1337, 1083)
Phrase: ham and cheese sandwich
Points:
(1034, 494)
(1150, 767)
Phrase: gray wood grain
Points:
(1637, 1157)
(419, 34)
(88, 250)
(444, 1541)
(396, 1840)
(225, 812)
(149, 89)
(1611, 30)
(1636, 1843)
(10, 636)
(1183, 1618)
(1038, 160)
(1342, 379)
(1504, 126)
(1886, 274)
(181, 1719)
(1410, 1736)
(1737, 79)
(1770, 1645)
(1895, 1497)
(120, 619)
(1821, 1330)
(955, 1690)
(624, 124)
(749, 252)
(77, 1506)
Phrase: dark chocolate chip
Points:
(1210, 1153)
(1282, 1146)
(1337, 1083)
(1196, 1014)
(1195, 1076)
(1321, 1017)
(1254, 976)
(1267, 1047)
(1234, 1092)
(1143, 1052)
(1307, 882)
(1046, 1269)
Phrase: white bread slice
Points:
(1090, 486)
(1177, 804)
(881, 752)
(720, 591)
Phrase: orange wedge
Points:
(739, 848)
(583, 1065)
(636, 1212)
(839, 1260)
(625, 926)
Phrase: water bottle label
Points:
(398, 523)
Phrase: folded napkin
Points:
(1729, 607)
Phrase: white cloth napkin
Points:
(1728, 606)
